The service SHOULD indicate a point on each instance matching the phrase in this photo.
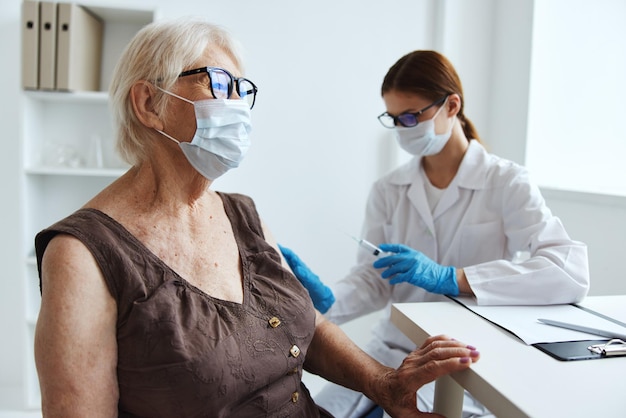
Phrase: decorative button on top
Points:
(294, 350)
(294, 397)
(274, 322)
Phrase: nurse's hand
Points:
(320, 294)
(411, 266)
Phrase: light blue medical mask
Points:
(422, 139)
(222, 135)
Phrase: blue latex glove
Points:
(320, 294)
(411, 266)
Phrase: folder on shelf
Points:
(47, 44)
(79, 48)
(30, 44)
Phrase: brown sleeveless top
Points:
(183, 353)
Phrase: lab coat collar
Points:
(471, 174)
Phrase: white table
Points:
(511, 378)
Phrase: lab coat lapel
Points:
(448, 199)
(417, 196)
(471, 176)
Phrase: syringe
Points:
(367, 245)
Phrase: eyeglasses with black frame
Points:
(408, 120)
(221, 83)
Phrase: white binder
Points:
(30, 45)
(79, 48)
(47, 45)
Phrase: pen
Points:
(589, 330)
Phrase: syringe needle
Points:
(374, 249)
(366, 244)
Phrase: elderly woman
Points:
(164, 298)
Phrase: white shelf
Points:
(69, 97)
(68, 156)
(79, 172)
(126, 16)
(21, 414)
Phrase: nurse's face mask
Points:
(421, 139)
(418, 138)
(223, 125)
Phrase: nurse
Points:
(455, 220)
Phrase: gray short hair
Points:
(158, 53)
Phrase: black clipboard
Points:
(570, 350)
(577, 350)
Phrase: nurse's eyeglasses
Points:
(407, 120)
(221, 83)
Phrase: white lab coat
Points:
(489, 214)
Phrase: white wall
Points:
(12, 330)
(576, 136)
(317, 145)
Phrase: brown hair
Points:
(431, 75)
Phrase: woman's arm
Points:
(335, 357)
(75, 338)
(557, 268)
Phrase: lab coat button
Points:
(294, 397)
(294, 350)
(274, 322)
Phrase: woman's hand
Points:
(335, 357)
(438, 356)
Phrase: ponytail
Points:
(468, 128)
